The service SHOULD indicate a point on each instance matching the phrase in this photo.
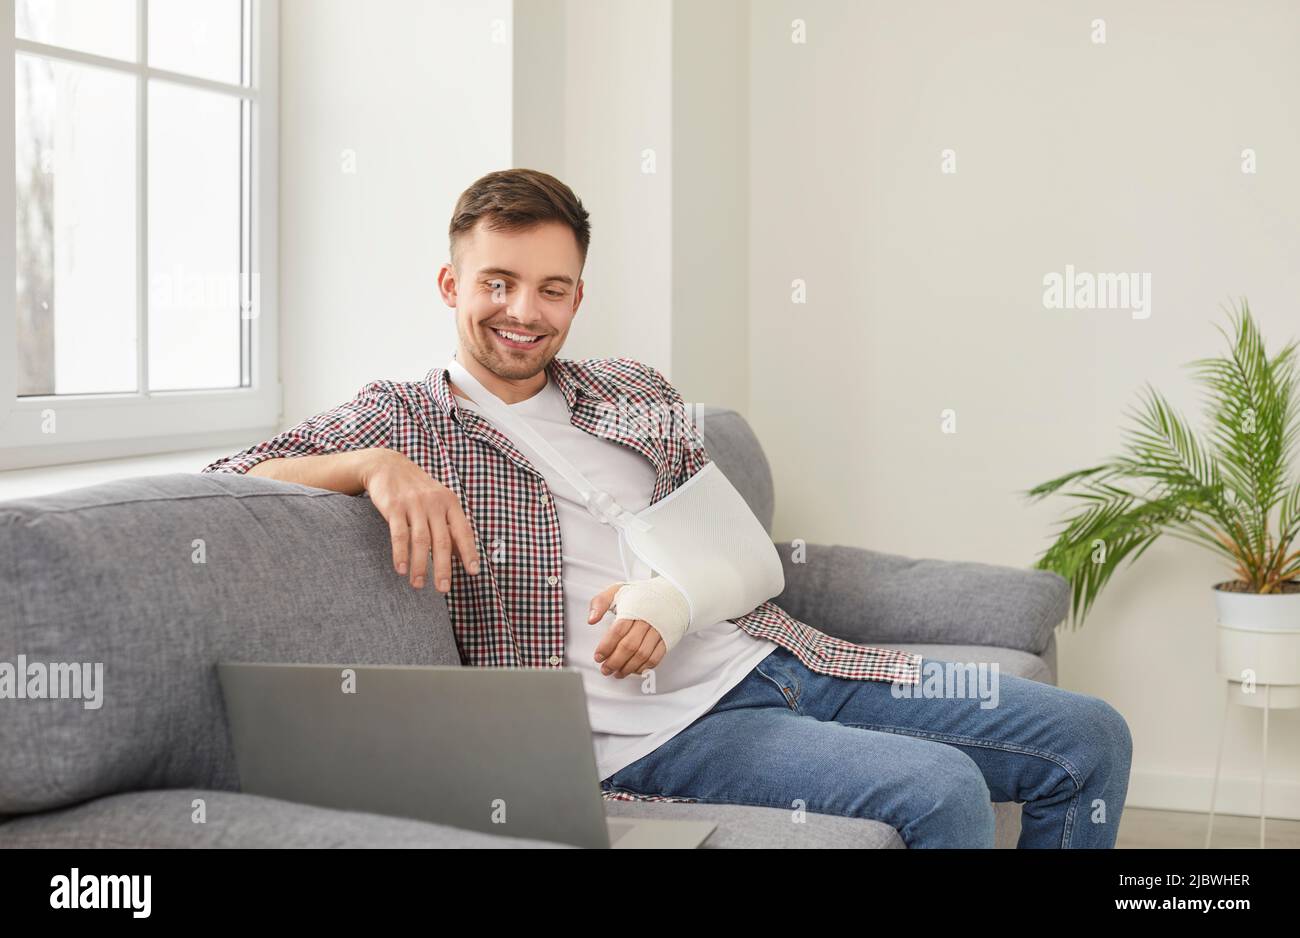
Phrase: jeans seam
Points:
(1007, 747)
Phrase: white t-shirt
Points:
(632, 716)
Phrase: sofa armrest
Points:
(867, 597)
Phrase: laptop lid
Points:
(501, 750)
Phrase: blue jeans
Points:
(928, 766)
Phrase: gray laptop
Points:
(499, 750)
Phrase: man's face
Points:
(523, 282)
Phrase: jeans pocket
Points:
(787, 685)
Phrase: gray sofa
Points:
(110, 574)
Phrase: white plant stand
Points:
(1272, 657)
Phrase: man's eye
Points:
(557, 294)
(497, 284)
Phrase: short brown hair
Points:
(518, 199)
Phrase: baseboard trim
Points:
(1236, 795)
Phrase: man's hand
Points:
(630, 646)
(422, 513)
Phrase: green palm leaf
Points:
(1220, 492)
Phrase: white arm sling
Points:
(701, 537)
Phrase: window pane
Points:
(194, 238)
(197, 37)
(76, 206)
(104, 27)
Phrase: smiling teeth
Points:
(516, 337)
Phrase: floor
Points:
(1142, 828)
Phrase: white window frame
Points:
(105, 426)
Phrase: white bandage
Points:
(658, 602)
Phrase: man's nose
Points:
(525, 310)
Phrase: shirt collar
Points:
(561, 371)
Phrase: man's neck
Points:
(510, 391)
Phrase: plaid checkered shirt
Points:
(512, 614)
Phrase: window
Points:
(143, 255)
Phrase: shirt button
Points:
(554, 660)
(552, 580)
(544, 498)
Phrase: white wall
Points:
(641, 106)
(711, 193)
(607, 81)
(924, 293)
(427, 100)
(415, 97)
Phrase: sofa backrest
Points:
(158, 578)
(731, 443)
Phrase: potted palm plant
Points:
(1235, 494)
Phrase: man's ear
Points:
(447, 284)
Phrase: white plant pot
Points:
(1264, 611)
(1259, 638)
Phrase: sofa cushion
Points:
(166, 819)
(109, 575)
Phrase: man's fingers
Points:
(463, 535)
(660, 650)
(423, 515)
(627, 647)
(642, 654)
(441, 553)
(600, 604)
(419, 548)
(400, 533)
(613, 635)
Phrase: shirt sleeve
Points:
(681, 426)
(363, 422)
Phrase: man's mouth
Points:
(512, 339)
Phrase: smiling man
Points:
(759, 709)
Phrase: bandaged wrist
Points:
(658, 602)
